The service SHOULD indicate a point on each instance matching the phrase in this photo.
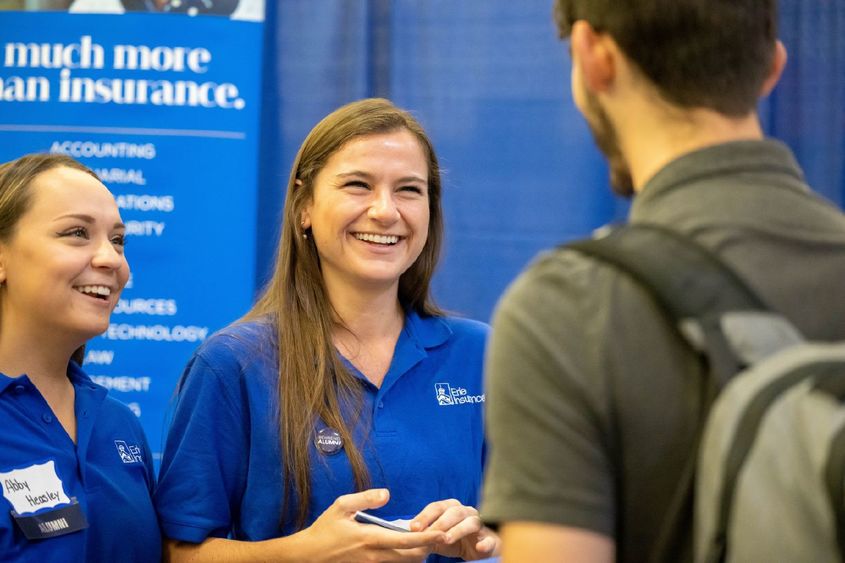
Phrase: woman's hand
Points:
(336, 536)
(466, 536)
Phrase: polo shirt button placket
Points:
(47, 417)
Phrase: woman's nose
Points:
(383, 207)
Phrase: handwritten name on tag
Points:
(32, 488)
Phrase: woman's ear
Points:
(305, 216)
(2, 264)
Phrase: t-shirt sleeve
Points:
(547, 415)
(203, 470)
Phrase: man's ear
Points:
(594, 54)
(775, 70)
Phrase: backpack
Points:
(769, 481)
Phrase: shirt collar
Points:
(419, 335)
(81, 379)
(429, 332)
(767, 156)
(78, 377)
(6, 381)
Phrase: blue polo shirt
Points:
(221, 470)
(108, 472)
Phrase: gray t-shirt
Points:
(593, 398)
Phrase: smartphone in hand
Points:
(396, 525)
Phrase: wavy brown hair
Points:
(313, 382)
(16, 177)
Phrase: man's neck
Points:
(652, 136)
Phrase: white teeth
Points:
(100, 290)
(378, 239)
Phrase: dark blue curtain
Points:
(807, 109)
(490, 82)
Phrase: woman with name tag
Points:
(344, 389)
(76, 472)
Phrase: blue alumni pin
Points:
(328, 441)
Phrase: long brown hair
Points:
(313, 382)
(16, 178)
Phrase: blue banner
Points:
(165, 109)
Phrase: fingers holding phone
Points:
(466, 536)
(341, 537)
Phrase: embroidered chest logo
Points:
(128, 454)
(448, 396)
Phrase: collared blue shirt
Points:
(109, 471)
(221, 471)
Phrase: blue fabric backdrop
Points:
(490, 82)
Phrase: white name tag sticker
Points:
(33, 488)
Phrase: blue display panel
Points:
(165, 109)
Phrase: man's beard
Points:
(607, 141)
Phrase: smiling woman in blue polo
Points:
(344, 389)
(75, 469)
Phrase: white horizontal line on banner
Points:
(126, 131)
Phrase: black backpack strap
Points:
(695, 289)
(691, 284)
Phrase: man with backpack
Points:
(596, 398)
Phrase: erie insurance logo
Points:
(127, 453)
(448, 396)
